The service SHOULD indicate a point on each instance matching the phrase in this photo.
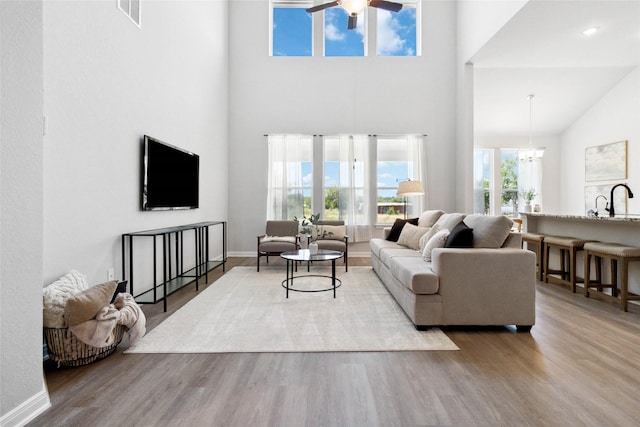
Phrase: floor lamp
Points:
(409, 188)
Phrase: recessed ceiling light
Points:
(590, 31)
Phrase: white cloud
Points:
(389, 41)
(333, 34)
(385, 176)
(307, 179)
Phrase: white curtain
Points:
(354, 186)
(529, 177)
(417, 172)
(285, 198)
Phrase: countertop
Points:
(617, 218)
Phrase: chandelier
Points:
(531, 153)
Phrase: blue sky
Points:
(292, 31)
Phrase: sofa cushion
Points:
(377, 245)
(437, 241)
(386, 255)
(449, 220)
(410, 236)
(397, 227)
(489, 231)
(461, 237)
(415, 274)
(428, 218)
(85, 305)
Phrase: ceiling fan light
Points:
(354, 7)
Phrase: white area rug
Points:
(246, 311)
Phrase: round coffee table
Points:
(303, 255)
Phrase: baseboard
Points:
(27, 411)
(253, 254)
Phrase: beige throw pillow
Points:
(489, 231)
(428, 235)
(410, 236)
(437, 241)
(333, 232)
(428, 218)
(85, 305)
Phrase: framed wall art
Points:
(606, 162)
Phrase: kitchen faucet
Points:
(606, 208)
(612, 211)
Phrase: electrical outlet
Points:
(111, 273)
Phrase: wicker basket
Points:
(66, 349)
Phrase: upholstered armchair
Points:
(332, 236)
(280, 236)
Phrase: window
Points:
(289, 181)
(502, 179)
(396, 32)
(398, 159)
(333, 175)
(291, 32)
(345, 176)
(338, 40)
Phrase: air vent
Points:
(131, 8)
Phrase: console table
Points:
(174, 275)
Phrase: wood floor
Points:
(579, 366)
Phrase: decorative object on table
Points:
(606, 162)
(528, 196)
(407, 189)
(313, 247)
(537, 208)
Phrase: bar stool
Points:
(616, 253)
(536, 240)
(569, 248)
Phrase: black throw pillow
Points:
(121, 288)
(397, 227)
(460, 237)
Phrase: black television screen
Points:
(171, 177)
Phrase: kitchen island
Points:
(622, 229)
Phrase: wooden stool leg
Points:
(614, 277)
(563, 265)
(598, 262)
(624, 288)
(547, 248)
(572, 269)
(587, 273)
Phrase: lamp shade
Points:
(410, 188)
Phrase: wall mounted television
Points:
(170, 177)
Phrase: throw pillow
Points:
(461, 237)
(333, 232)
(85, 305)
(428, 235)
(397, 227)
(428, 218)
(437, 241)
(410, 236)
(56, 294)
(489, 231)
(449, 220)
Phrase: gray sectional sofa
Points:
(491, 283)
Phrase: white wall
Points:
(107, 83)
(317, 95)
(476, 23)
(614, 118)
(22, 390)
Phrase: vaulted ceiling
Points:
(542, 51)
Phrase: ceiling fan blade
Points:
(386, 5)
(353, 21)
(322, 7)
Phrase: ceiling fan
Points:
(354, 7)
